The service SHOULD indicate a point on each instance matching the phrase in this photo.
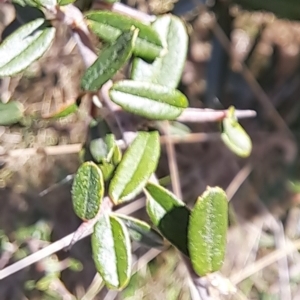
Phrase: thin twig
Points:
(198, 115)
(256, 88)
(58, 245)
(172, 162)
(265, 261)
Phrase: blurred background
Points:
(238, 55)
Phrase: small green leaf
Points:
(24, 46)
(149, 100)
(234, 136)
(141, 231)
(44, 283)
(112, 251)
(105, 149)
(87, 191)
(99, 150)
(207, 231)
(64, 111)
(138, 164)
(107, 170)
(168, 214)
(109, 62)
(65, 2)
(109, 25)
(117, 155)
(165, 70)
(11, 113)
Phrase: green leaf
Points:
(112, 251)
(109, 25)
(44, 283)
(46, 3)
(64, 111)
(165, 70)
(24, 46)
(106, 153)
(169, 214)
(142, 232)
(87, 191)
(234, 136)
(11, 112)
(138, 164)
(37, 3)
(149, 100)
(207, 231)
(107, 170)
(109, 62)
(65, 2)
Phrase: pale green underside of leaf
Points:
(24, 46)
(165, 70)
(139, 162)
(149, 100)
(112, 251)
(207, 231)
(236, 138)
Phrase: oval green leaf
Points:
(165, 70)
(234, 136)
(112, 251)
(11, 113)
(87, 191)
(142, 232)
(111, 59)
(169, 214)
(24, 46)
(136, 167)
(149, 100)
(207, 231)
(109, 26)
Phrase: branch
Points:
(60, 244)
(200, 115)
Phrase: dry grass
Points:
(262, 260)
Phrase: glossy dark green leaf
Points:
(207, 231)
(169, 214)
(142, 232)
(165, 70)
(149, 100)
(109, 25)
(11, 112)
(24, 46)
(112, 251)
(234, 136)
(64, 111)
(136, 167)
(111, 59)
(87, 191)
